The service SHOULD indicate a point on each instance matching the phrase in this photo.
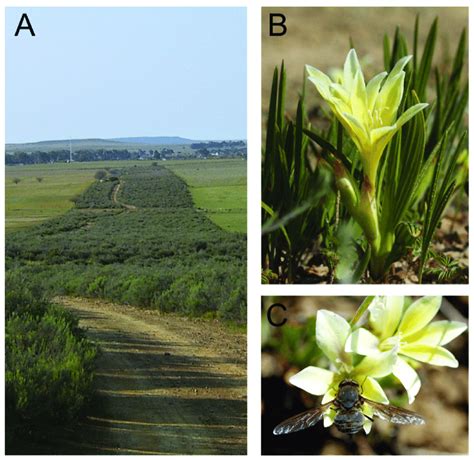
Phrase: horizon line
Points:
(126, 137)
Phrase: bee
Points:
(349, 417)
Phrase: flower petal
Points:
(373, 88)
(372, 391)
(400, 64)
(351, 67)
(328, 417)
(378, 365)
(340, 92)
(379, 138)
(419, 314)
(367, 426)
(409, 114)
(408, 378)
(437, 356)
(314, 380)
(383, 134)
(437, 334)
(330, 395)
(385, 315)
(389, 97)
(359, 98)
(320, 80)
(357, 132)
(362, 342)
(332, 331)
(367, 410)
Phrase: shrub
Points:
(101, 174)
(48, 365)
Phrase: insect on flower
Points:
(350, 407)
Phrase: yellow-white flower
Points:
(332, 332)
(409, 332)
(367, 112)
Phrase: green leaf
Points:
(425, 62)
(280, 113)
(325, 145)
(282, 228)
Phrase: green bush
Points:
(98, 195)
(22, 298)
(48, 364)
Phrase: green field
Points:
(217, 186)
(30, 202)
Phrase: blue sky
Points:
(117, 72)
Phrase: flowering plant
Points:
(367, 112)
(365, 184)
(369, 115)
(396, 338)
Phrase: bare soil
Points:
(165, 384)
(115, 193)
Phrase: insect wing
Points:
(395, 414)
(302, 421)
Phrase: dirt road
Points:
(115, 192)
(165, 384)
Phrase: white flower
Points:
(332, 332)
(410, 333)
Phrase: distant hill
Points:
(158, 140)
(118, 143)
(63, 145)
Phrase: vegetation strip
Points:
(166, 255)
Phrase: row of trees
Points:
(218, 145)
(63, 156)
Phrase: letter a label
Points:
(25, 24)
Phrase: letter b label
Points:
(277, 24)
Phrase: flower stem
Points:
(363, 208)
(368, 216)
(361, 310)
(378, 261)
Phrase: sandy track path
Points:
(115, 192)
(165, 384)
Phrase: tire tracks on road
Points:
(164, 384)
